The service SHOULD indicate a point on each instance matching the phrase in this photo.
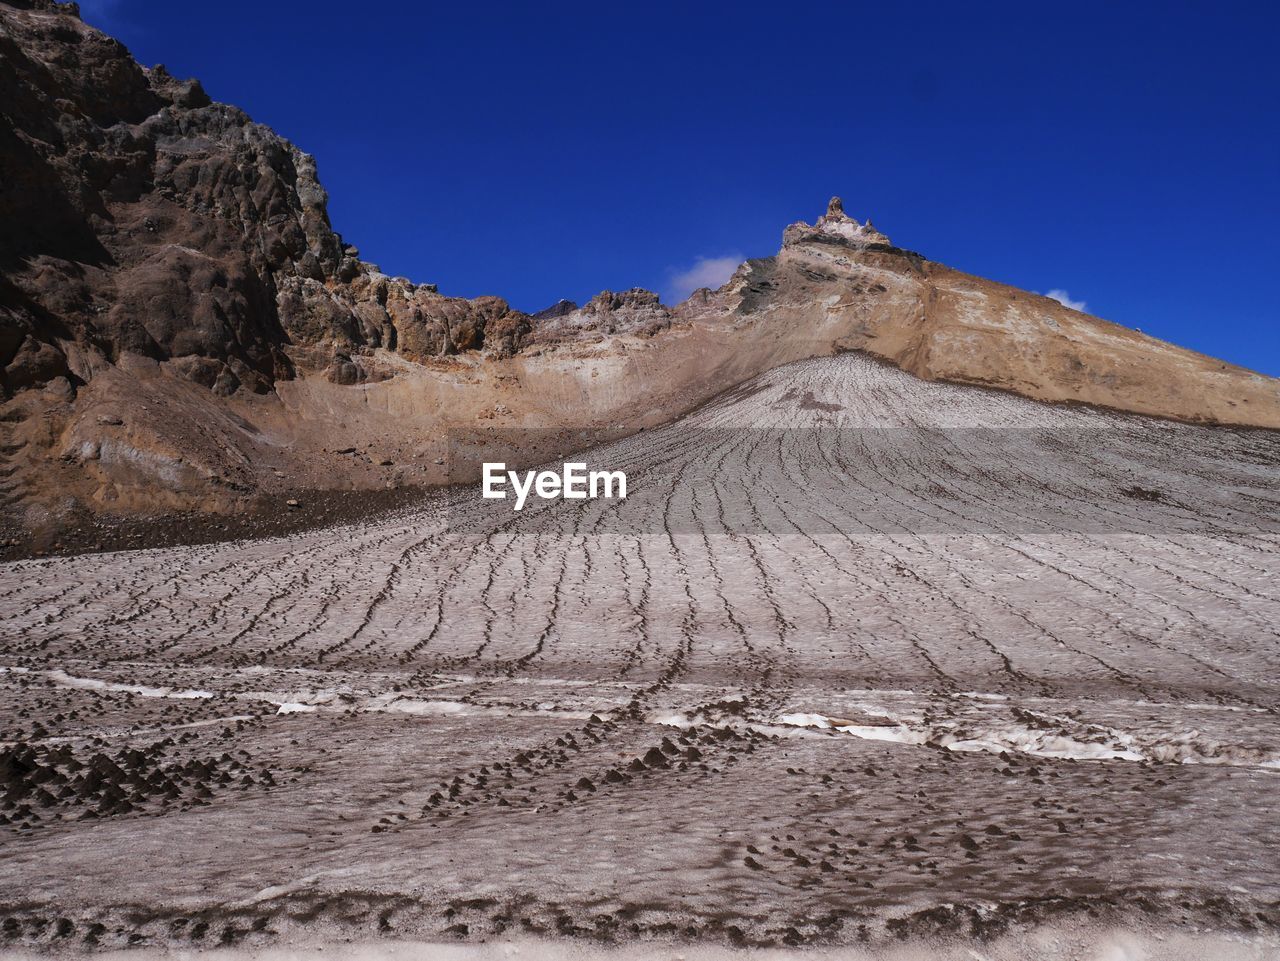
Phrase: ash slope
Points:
(831, 710)
(182, 329)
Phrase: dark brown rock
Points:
(158, 222)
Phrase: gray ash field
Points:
(831, 675)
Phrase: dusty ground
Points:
(861, 659)
(87, 533)
(1051, 942)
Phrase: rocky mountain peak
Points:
(835, 226)
(608, 301)
(636, 312)
(560, 308)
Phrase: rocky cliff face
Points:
(636, 312)
(182, 328)
(144, 218)
(848, 280)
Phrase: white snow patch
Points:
(63, 679)
(1099, 743)
(399, 704)
(899, 734)
(1044, 745)
(409, 706)
(805, 720)
(670, 719)
(868, 732)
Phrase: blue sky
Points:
(1127, 154)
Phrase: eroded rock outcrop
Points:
(846, 281)
(141, 217)
(636, 312)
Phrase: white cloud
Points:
(706, 272)
(1062, 297)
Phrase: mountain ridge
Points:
(183, 329)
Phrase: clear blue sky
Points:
(1127, 153)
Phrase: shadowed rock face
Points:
(144, 218)
(181, 327)
(153, 221)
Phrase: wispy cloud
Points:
(706, 272)
(1062, 297)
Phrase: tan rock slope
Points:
(182, 329)
(941, 324)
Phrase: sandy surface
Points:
(863, 660)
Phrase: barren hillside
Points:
(862, 658)
(939, 619)
(181, 329)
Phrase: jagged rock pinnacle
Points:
(835, 223)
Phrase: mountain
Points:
(861, 660)
(181, 328)
(939, 620)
